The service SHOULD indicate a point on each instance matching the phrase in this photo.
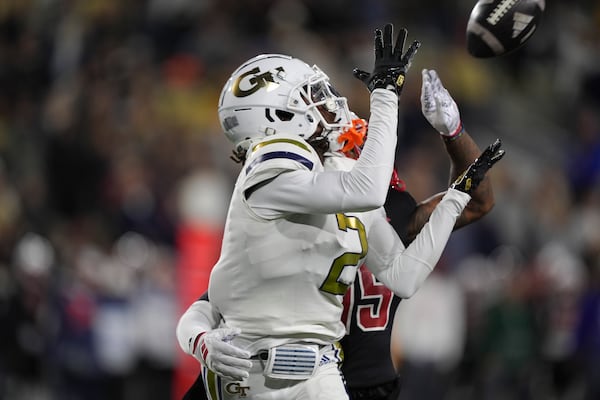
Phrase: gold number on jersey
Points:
(332, 284)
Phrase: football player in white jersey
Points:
(297, 232)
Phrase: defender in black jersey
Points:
(369, 307)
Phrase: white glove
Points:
(215, 352)
(438, 107)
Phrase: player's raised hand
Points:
(216, 353)
(472, 177)
(391, 63)
(438, 107)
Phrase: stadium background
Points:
(114, 179)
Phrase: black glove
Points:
(390, 64)
(472, 177)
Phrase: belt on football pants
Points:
(298, 360)
(290, 361)
(378, 392)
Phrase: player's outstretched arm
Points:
(462, 152)
(474, 181)
(403, 269)
(365, 186)
(441, 111)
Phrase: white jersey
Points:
(282, 279)
(297, 231)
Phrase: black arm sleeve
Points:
(399, 207)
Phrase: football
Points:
(498, 27)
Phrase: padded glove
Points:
(472, 177)
(391, 64)
(438, 107)
(214, 350)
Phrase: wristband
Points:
(196, 342)
(457, 133)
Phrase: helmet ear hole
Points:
(284, 115)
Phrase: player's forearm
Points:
(472, 212)
(375, 164)
(420, 216)
(463, 151)
(199, 317)
(406, 269)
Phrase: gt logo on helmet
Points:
(256, 81)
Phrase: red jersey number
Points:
(373, 303)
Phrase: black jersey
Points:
(369, 309)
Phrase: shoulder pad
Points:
(277, 154)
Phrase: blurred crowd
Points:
(110, 144)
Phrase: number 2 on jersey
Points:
(332, 283)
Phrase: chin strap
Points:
(319, 143)
(239, 156)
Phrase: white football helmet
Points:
(274, 93)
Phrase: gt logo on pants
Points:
(236, 388)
